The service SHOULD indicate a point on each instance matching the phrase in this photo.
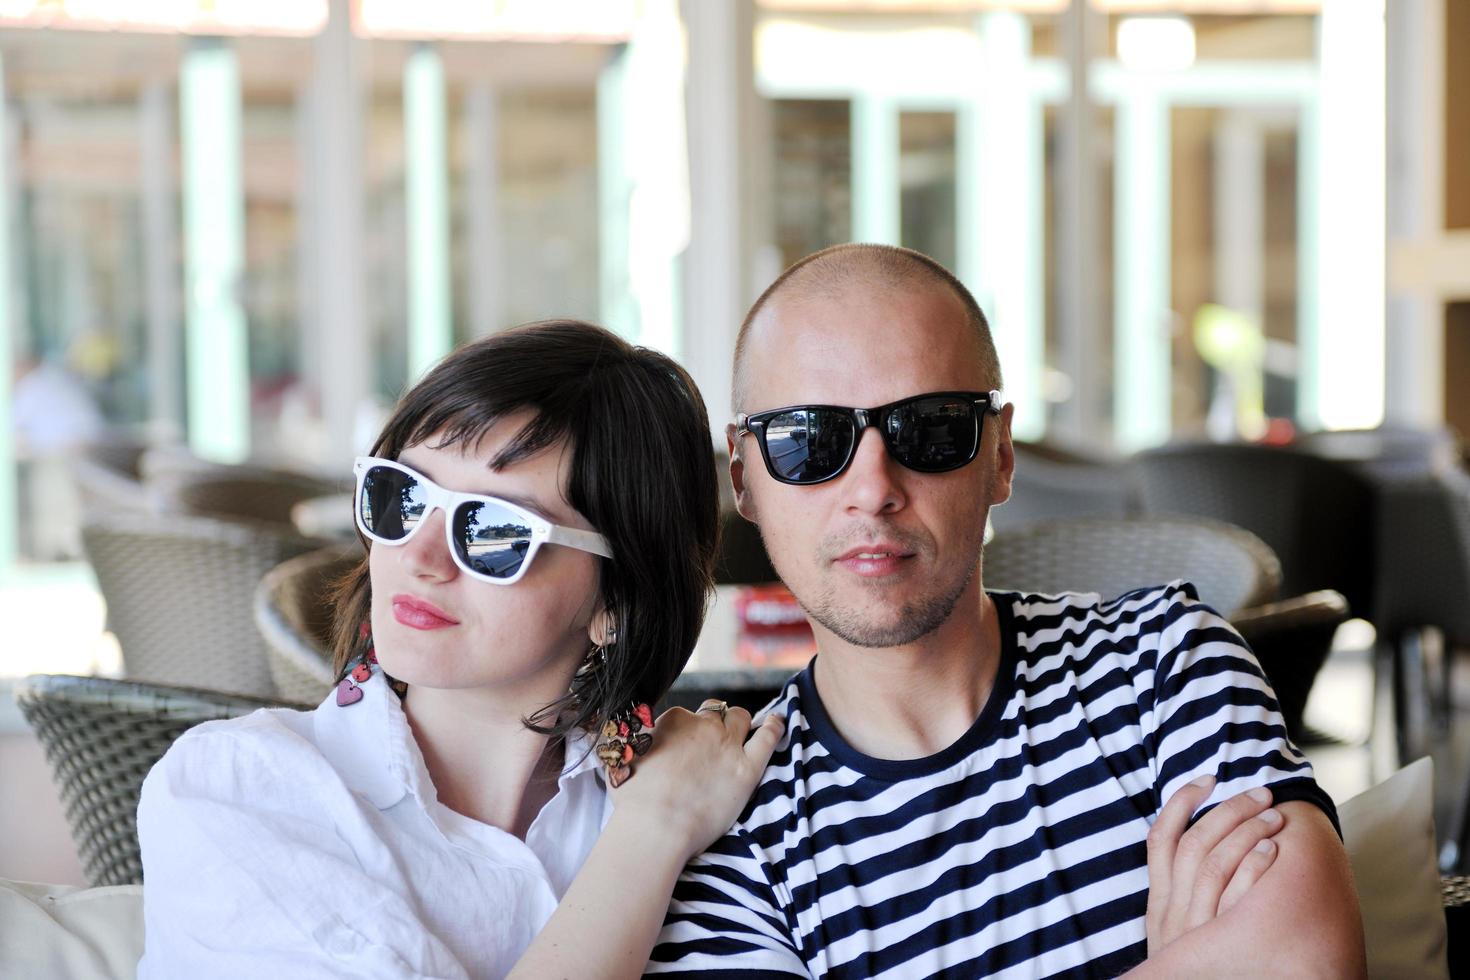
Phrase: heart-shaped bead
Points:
(348, 693)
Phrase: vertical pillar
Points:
(1240, 214)
(999, 199)
(876, 194)
(9, 498)
(1347, 359)
(1141, 342)
(728, 143)
(486, 279)
(618, 306)
(218, 356)
(1414, 393)
(426, 200)
(160, 248)
(1078, 231)
(337, 230)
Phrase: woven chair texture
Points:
(1050, 484)
(247, 496)
(101, 737)
(1231, 568)
(180, 593)
(1317, 515)
(293, 609)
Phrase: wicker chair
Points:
(108, 477)
(1234, 571)
(294, 612)
(1052, 483)
(250, 496)
(101, 737)
(179, 593)
(1318, 515)
(1231, 568)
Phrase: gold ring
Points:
(715, 704)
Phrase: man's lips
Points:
(420, 614)
(877, 559)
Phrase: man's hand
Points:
(1196, 873)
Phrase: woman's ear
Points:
(602, 629)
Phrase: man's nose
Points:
(872, 483)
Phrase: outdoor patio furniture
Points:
(293, 608)
(101, 737)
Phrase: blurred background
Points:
(236, 230)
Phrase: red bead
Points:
(361, 673)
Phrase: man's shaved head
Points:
(840, 269)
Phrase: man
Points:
(978, 784)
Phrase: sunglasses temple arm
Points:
(581, 540)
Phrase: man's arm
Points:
(1299, 919)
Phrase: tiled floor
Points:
(54, 624)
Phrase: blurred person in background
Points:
(485, 793)
(53, 417)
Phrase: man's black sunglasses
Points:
(933, 433)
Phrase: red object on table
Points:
(767, 609)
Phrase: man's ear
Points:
(744, 505)
(1005, 455)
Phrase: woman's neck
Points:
(483, 762)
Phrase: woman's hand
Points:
(700, 772)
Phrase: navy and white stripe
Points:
(1019, 851)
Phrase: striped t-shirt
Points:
(1019, 850)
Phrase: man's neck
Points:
(912, 701)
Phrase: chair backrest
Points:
(1231, 568)
(1318, 515)
(244, 494)
(1052, 484)
(180, 593)
(293, 609)
(101, 737)
(108, 477)
(742, 559)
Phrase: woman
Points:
(540, 521)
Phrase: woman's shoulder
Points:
(234, 755)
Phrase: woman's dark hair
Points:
(642, 472)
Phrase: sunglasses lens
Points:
(391, 504)
(492, 540)
(808, 445)
(932, 434)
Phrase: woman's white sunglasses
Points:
(490, 539)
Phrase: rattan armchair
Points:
(101, 737)
(180, 593)
(1233, 570)
(246, 494)
(293, 609)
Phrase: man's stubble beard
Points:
(916, 619)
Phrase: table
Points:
(729, 659)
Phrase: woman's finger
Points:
(763, 741)
(1251, 868)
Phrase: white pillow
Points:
(1389, 833)
(75, 933)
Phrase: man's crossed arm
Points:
(1249, 890)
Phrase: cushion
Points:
(78, 933)
(1389, 833)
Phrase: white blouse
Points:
(312, 844)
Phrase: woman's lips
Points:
(420, 615)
